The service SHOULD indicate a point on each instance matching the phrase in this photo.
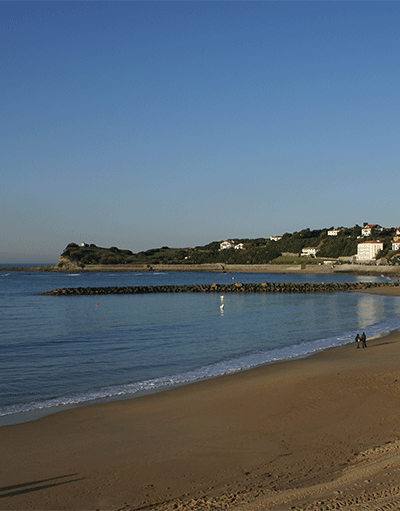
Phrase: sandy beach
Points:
(311, 434)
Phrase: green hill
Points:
(254, 251)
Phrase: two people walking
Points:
(361, 340)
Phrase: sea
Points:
(58, 352)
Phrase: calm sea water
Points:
(65, 351)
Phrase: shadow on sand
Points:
(20, 489)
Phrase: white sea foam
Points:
(54, 347)
(223, 367)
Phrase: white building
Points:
(330, 261)
(334, 232)
(275, 238)
(366, 229)
(231, 244)
(226, 244)
(396, 243)
(368, 250)
(309, 251)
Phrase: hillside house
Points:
(226, 244)
(334, 232)
(367, 250)
(396, 243)
(231, 244)
(309, 251)
(366, 229)
(275, 238)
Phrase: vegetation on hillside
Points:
(256, 251)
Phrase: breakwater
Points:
(238, 287)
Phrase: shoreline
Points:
(261, 439)
(27, 413)
(33, 415)
(357, 269)
(280, 436)
(22, 417)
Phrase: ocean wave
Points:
(213, 370)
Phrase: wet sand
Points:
(307, 434)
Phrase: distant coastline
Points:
(359, 269)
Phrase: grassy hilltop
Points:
(255, 251)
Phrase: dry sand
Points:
(312, 434)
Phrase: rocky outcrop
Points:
(238, 287)
(65, 264)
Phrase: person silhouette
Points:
(363, 340)
(358, 340)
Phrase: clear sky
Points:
(143, 124)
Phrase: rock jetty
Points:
(238, 287)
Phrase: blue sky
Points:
(144, 124)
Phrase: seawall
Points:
(359, 269)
